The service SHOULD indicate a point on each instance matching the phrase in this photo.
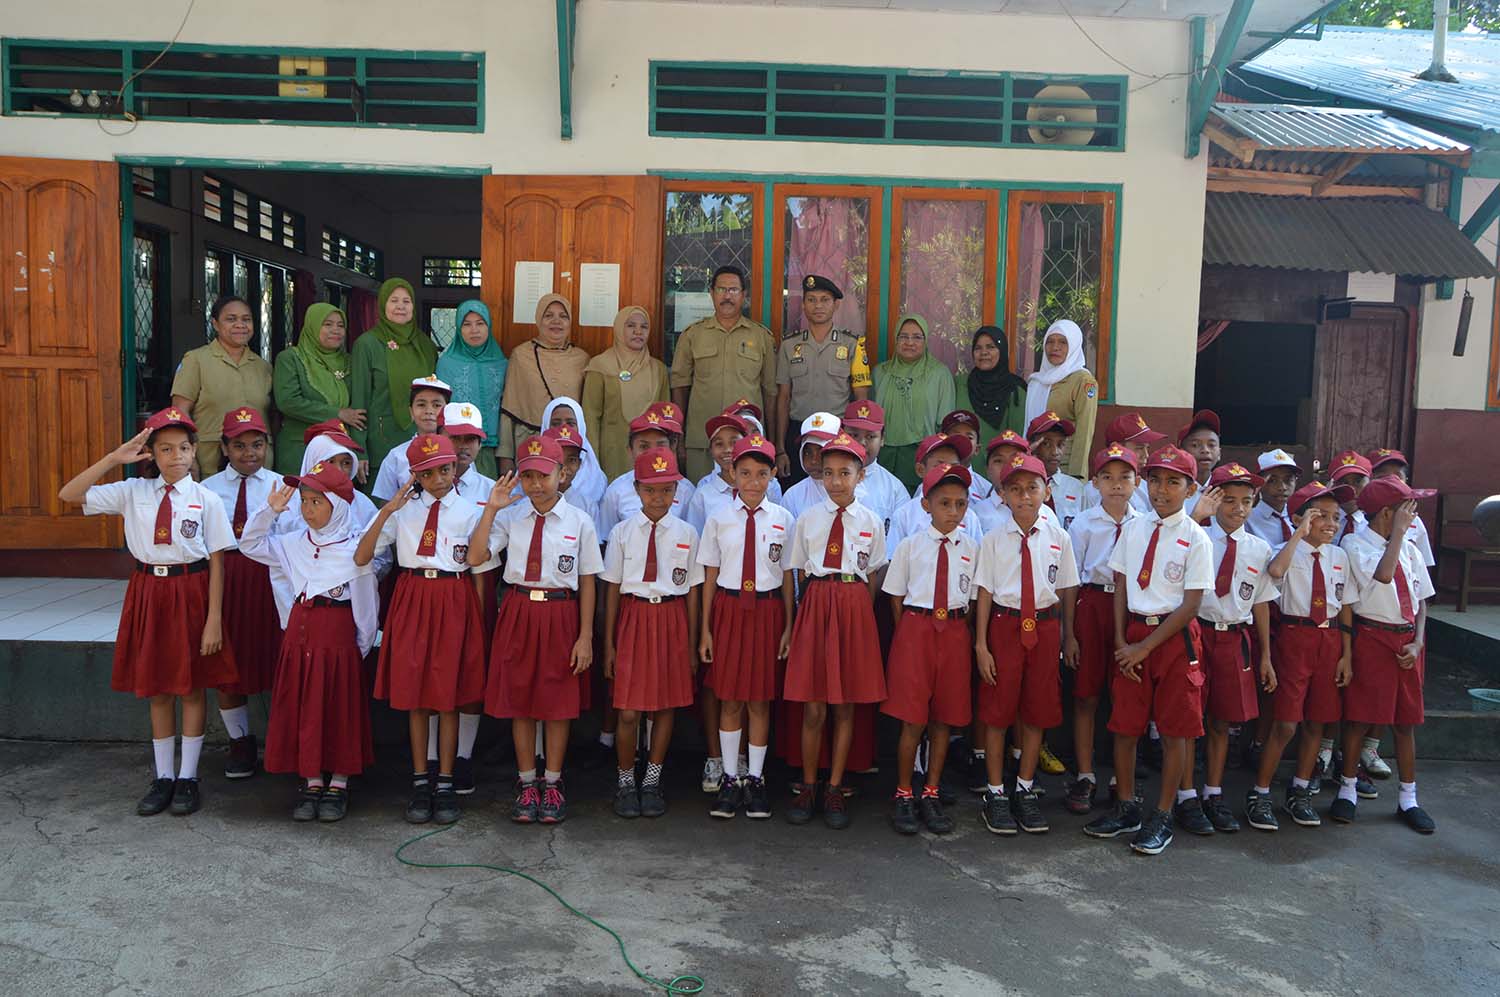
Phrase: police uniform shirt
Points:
(570, 546)
(912, 518)
(712, 493)
(1249, 586)
(258, 488)
(822, 375)
(1296, 584)
(677, 567)
(722, 545)
(1183, 562)
(403, 529)
(1376, 600)
(862, 551)
(1052, 564)
(1140, 499)
(1067, 497)
(1265, 522)
(200, 525)
(620, 502)
(1093, 536)
(912, 573)
(720, 367)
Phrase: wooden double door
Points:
(1363, 382)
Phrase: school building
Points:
(1005, 161)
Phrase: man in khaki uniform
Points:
(719, 360)
(817, 370)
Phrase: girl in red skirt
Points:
(544, 638)
(250, 618)
(838, 546)
(171, 640)
(746, 627)
(320, 722)
(651, 608)
(432, 654)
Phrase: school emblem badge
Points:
(653, 418)
(1338, 591)
(190, 528)
(338, 590)
(460, 552)
(679, 576)
(243, 415)
(1028, 624)
(864, 411)
(1051, 574)
(1175, 571)
(430, 446)
(963, 583)
(534, 447)
(565, 564)
(862, 559)
(1246, 590)
(775, 553)
(317, 468)
(659, 465)
(429, 537)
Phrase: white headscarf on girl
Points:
(1039, 385)
(321, 562)
(590, 480)
(323, 448)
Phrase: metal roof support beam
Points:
(1203, 86)
(1483, 217)
(567, 29)
(1340, 170)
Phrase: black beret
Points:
(812, 282)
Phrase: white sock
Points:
(643, 735)
(527, 777)
(979, 753)
(1325, 746)
(729, 743)
(553, 778)
(1263, 790)
(997, 790)
(339, 781)
(607, 738)
(192, 747)
(541, 741)
(1404, 801)
(1015, 753)
(1151, 730)
(757, 759)
(468, 732)
(1024, 783)
(1212, 791)
(1299, 783)
(1089, 776)
(1372, 744)
(1186, 794)
(432, 738)
(1346, 789)
(236, 721)
(315, 782)
(164, 748)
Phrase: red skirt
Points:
(251, 622)
(747, 637)
(835, 650)
(320, 717)
(530, 674)
(653, 659)
(161, 627)
(432, 651)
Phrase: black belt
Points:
(1050, 613)
(546, 595)
(1222, 627)
(942, 614)
(767, 594)
(652, 599)
(1395, 628)
(1331, 623)
(842, 579)
(320, 601)
(171, 570)
(1109, 588)
(431, 572)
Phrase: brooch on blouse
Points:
(390, 344)
(340, 374)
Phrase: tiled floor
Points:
(68, 609)
(1483, 620)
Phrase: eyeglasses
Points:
(908, 337)
(729, 290)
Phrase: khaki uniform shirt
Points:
(216, 384)
(722, 367)
(822, 375)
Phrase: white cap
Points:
(462, 415)
(824, 424)
(1275, 458)
(434, 382)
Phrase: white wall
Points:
(1162, 223)
(1443, 380)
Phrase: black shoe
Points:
(1219, 814)
(904, 815)
(653, 803)
(1416, 818)
(419, 810)
(803, 804)
(445, 808)
(977, 773)
(1260, 812)
(554, 809)
(1299, 806)
(1080, 798)
(463, 775)
(1364, 788)
(627, 801)
(1151, 753)
(757, 801)
(1188, 815)
(1155, 834)
(307, 803)
(995, 812)
(528, 803)
(1124, 819)
(727, 803)
(1315, 781)
(835, 808)
(334, 805)
(1026, 811)
(1343, 811)
(242, 755)
(931, 809)
(185, 799)
(157, 798)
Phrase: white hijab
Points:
(590, 480)
(322, 448)
(1039, 385)
(318, 561)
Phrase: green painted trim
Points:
(1290, 33)
(854, 179)
(1444, 289)
(1197, 31)
(1000, 316)
(1210, 78)
(209, 162)
(127, 307)
(567, 29)
(1107, 391)
(448, 55)
(1483, 217)
(883, 267)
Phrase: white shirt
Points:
(1378, 600)
(882, 492)
(712, 492)
(404, 527)
(1296, 584)
(1093, 536)
(912, 573)
(620, 502)
(677, 567)
(722, 545)
(474, 486)
(803, 496)
(258, 488)
(992, 514)
(980, 489)
(1249, 586)
(912, 518)
(1140, 499)
(863, 549)
(393, 472)
(1266, 523)
(1416, 533)
(1052, 564)
(1067, 497)
(1183, 562)
(570, 547)
(200, 526)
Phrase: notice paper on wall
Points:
(690, 306)
(533, 279)
(1372, 286)
(598, 293)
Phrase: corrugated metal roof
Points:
(1378, 234)
(1290, 127)
(1378, 66)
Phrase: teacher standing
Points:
(474, 366)
(991, 390)
(220, 377)
(547, 366)
(1065, 386)
(916, 390)
(618, 384)
(312, 384)
(390, 355)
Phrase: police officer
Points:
(817, 369)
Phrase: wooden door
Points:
(59, 345)
(1362, 390)
(570, 221)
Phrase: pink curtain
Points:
(361, 308)
(828, 236)
(304, 295)
(1209, 330)
(942, 273)
(1031, 254)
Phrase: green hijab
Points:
(327, 370)
(909, 391)
(410, 352)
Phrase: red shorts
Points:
(1170, 690)
(929, 670)
(1381, 691)
(1307, 662)
(1230, 669)
(1028, 684)
(1094, 626)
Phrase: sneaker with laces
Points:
(803, 804)
(334, 805)
(554, 809)
(1188, 814)
(241, 761)
(1155, 834)
(1364, 788)
(419, 808)
(713, 773)
(1299, 806)
(445, 808)
(653, 803)
(757, 800)
(627, 801)
(307, 803)
(463, 775)
(1048, 762)
(727, 803)
(1315, 781)
(158, 797)
(994, 810)
(835, 808)
(904, 815)
(1027, 812)
(1219, 814)
(185, 798)
(1125, 818)
(528, 803)
(1080, 798)
(1373, 763)
(931, 810)
(1260, 812)
(1343, 811)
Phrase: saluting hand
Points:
(281, 497)
(1405, 515)
(1207, 504)
(132, 451)
(403, 494)
(501, 495)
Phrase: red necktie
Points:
(747, 563)
(1117, 530)
(649, 575)
(1286, 531)
(239, 509)
(534, 553)
(164, 518)
(1319, 591)
(940, 578)
(1403, 594)
(1028, 594)
(427, 546)
(1144, 578)
(1348, 525)
(1226, 569)
(833, 554)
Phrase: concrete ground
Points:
(238, 900)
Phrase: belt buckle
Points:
(1153, 621)
(429, 572)
(1109, 587)
(1221, 626)
(161, 570)
(536, 595)
(941, 614)
(654, 600)
(1323, 625)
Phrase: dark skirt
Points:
(835, 648)
(653, 657)
(747, 636)
(530, 676)
(432, 650)
(251, 623)
(320, 716)
(161, 627)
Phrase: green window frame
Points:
(236, 84)
(352, 254)
(451, 271)
(888, 106)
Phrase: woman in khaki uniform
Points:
(618, 384)
(220, 377)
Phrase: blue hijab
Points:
(477, 373)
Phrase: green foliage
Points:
(1484, 14)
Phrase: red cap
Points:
(1046, 421)
(1234, 473)
(1202, 419)
(430, 450)
(656, 467)
(670, 414)
(335, 430)
(959, 417)
(1024, 462)
(1115, 451)
(1172, 459)
(957, 473)
(744, 405)
(1314, 490)
(171, 416)
(1389, 490)
(653, 421)
(866, 416)
(461, 419)
(539, 453)
(1385, 455)
(324, 477)
(1130, 427)
(564, 436)
(1348, 463)
(844, 443)
(1008, 438)
(754, 444)
(728, 421)
(242, 420)
(961, 444)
